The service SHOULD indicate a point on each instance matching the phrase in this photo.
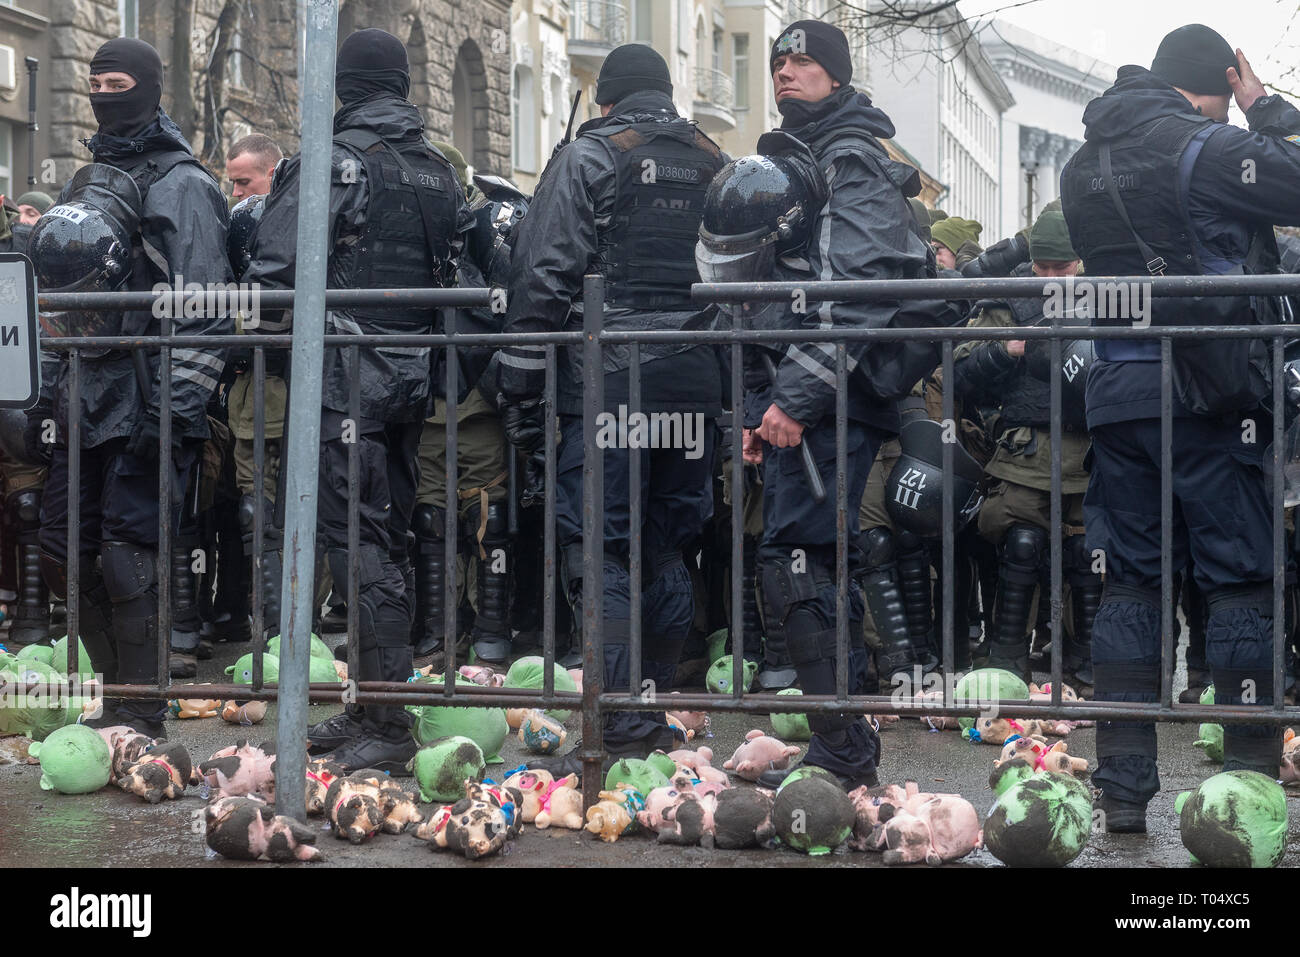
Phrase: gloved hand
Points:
(524, 422)
(999, 259)
(38, 450)
(534, 484)
(146, 437)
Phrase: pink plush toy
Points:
(758, 754)
(868, 825)
(241, 769)
(696, 721)
(1289, 770)
(937, 722)
(1041, 757)
(125, 744)
(700, 763)
(561, 805)
(934, 828)
(482, 675)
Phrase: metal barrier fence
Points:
(594, 701)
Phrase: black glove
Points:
(534, 484)
(524, 422)
(146, 438)
(1000, 259)
(38, 450)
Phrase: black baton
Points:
(809, 466)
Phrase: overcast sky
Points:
(1128, 31)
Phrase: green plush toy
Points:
(1008, 774)
(790, 727)
(318, 648)
(41, 653)
(442, 767)
(719, 675)
(812, 815)
(987, 684)
(59, 659)
(74, 760)
(1210, 735)
(1234, 819)
(662, 763)
(319, 670)
(486, 727)
(35, 705)
(716, 644)
(808, 771)
(635, 773)
(1042, 821)
(529, 672)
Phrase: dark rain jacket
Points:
(182, 233)
(866, 230)
(395, 381)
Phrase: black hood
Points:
(160, 136)
(391, 116)
(636, 107)
(845, 109)
(1137, 98)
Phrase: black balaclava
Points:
(125, 114)
(371, 62)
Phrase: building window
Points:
(6, 158)
(128, 17)
(740, 68)
(684, 26)
(523, 101)
(236, 59)
(641, 23)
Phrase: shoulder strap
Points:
(1155, 263)
(155, 169)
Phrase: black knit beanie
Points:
(629, 69)
(824, 43)
(1195, 58)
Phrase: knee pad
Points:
(25, 506)
(1078, 561)
(908, 542)
(783, 587)
(428, 522)
(129, 570)
(878, 547)
(498, 525)
(807, 646)
(1024, 552)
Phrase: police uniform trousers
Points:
(798, 580)
(676, 498)
(388, 473)
(1222, 520)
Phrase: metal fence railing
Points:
(594, 701)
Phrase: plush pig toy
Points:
(613, 816)
(185, 708)
(321, 773)
(561, 805)
(758, 754)
(472, 828)
(690, 820)
(161, 772)
(700, 763)
(247, 829)
(691, 721)
(125, 744)
(531, 786)
(352, 805)
(482, 675)
(241, 769)
(870, 814)
(1289, 770)
(247, 713)
(937, 829)
(508, 799)
(1041, 756)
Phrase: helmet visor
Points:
(752, 265)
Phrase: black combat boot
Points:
(491, 633)
(30, 623)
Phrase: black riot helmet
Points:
(84, 245)
(498, 210)
(758, 207)
(914, 489)
(244, 217)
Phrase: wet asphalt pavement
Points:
(111, 828)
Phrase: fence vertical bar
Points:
(593, 537)
(74, 498)
(841, 522)
(451, 577)
(353, 584)
(634, 556)
(165, 470)
(1054, 414)
(738, 498)
(1167, 650)
(1279, 531)
(548, 521)
(301, 458)
(949, 525)
(259, 508)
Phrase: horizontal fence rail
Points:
(594, 700)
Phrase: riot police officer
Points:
(842, 216)
(396, 216)
(1158, 187)
(156, 214)
(1014, 376)
(596, 208)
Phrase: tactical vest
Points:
(393, 251)
(647, 255)
(146, 269)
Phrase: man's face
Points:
(27, 215)
(944, 256)
(111, 82)
(1055, 270)
(797, 76)
(249, 175)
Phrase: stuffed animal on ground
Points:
(1041, 756)
(996, 730)
(125, 744)
(614, 814)
(241, 769)
(661, 799)
(509, 799)
(689, 821)
(397, 807)
(1289, 770)
(352, 805)
(561, 805)
(938, 829)
(472, 828)
(532, 786)
(700, 763)
(185, 708)
(321, 773)
(937, 722)
(161, 772)
(758, 754)
(247, 829)
(812, 814)
(541, 734)
(742, 817)
(675, 723)
(482, 675)
(868, 819)
(692, 721)
(246, 713)
(1068, 696)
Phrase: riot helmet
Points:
(498, 210)
(757, 208)
(84, 245)
(244, 217)
(914, 489)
